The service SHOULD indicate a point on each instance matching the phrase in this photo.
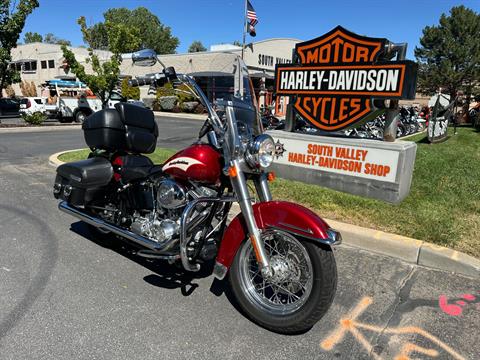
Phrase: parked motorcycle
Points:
(270, 121)
(276, 255)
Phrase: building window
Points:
(44, 64)
(51, 64)
(29, 67)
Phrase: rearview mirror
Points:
(145, 57)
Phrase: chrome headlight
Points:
(261, 151)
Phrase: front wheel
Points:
(299, 291)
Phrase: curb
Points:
(417, 252)
(181, 115)
(413, 251)
(14, 129)
(55, 162)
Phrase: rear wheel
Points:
(296, 295)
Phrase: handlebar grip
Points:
(139, 82)
(205, 129)
(158, 80)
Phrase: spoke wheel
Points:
(291, 282)
(297, 293)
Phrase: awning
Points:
(261, 75)
(209, 74)
(65, 77)
(21, 61)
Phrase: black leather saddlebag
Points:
(80, 182)
(128, 127)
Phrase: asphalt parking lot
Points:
(65, 294)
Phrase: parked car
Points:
(30, 105)
(137, 102)
(9, 107)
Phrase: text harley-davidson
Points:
(277, 254)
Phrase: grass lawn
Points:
(443, 206)
(158, 157)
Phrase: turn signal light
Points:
(271, 176)
(232, 171)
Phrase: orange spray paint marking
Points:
(349, 324)
(409, 348)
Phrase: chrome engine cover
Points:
(155, 229)
(171, 195)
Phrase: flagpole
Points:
(244, 28)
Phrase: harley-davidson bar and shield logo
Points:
(337, 76)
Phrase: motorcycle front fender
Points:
(282, 215)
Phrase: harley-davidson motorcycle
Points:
(276, 255)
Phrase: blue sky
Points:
(220, 21)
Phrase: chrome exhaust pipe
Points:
(103, 225)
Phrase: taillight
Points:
(29, 104)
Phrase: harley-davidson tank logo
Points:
(182, 163)
(337, 76)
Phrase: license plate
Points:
(23, 106)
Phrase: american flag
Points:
(251, 14)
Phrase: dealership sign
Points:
(337, 77)
(359, 161)
(373, 169)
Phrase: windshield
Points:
(236, 90)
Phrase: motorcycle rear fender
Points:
(289, 217)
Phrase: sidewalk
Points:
(201, 117)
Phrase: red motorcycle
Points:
(277, 255)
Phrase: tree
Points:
(121, 38)
(196, 46)
(130, 92)
(52, 39)
(12, 21)
(449, 55)
(153, 34)
(10, 91)
(237, 43)
(32, 37)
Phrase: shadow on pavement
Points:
(166, 276)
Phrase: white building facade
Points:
(39, 62)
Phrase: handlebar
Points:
(140, 82)
(205, 129)
(157, 80)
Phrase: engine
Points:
(163, 223)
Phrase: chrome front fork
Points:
(240, 187)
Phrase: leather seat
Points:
(135, 167)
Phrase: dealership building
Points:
(39, 62)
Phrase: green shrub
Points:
(37, 118)
(166, 90)
(130, 92)
(184, 94)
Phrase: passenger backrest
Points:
(141, 128)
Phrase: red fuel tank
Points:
(198, 162)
